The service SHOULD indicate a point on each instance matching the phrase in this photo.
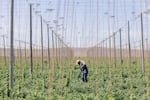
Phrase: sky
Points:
(81, 23)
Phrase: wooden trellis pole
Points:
(25, 53)
(4, 48)
(48, 47)
(106, 50)
(97, 62)
(142, 40)
(121, 60)
(31, 55)
(147, 48)
(20, 53)
(114, 38)
(11, 44)
(56, 48)
(129, 45)
(42, 64)
(51, 75)
(129, 68)
(110, 66)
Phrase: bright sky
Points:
(79, 18)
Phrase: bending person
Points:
(84, 69)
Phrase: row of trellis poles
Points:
(30, 54)
(129, 45)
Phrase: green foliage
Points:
(67, 84)
(25, 86)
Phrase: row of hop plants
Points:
(25, 86)
(67, 84)
(120, 88)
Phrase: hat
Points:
(77, 61)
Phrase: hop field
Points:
(41, 40)
(114, 84)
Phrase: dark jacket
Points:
(83, 68)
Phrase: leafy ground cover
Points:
(104, 82)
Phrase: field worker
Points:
(84, 70)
